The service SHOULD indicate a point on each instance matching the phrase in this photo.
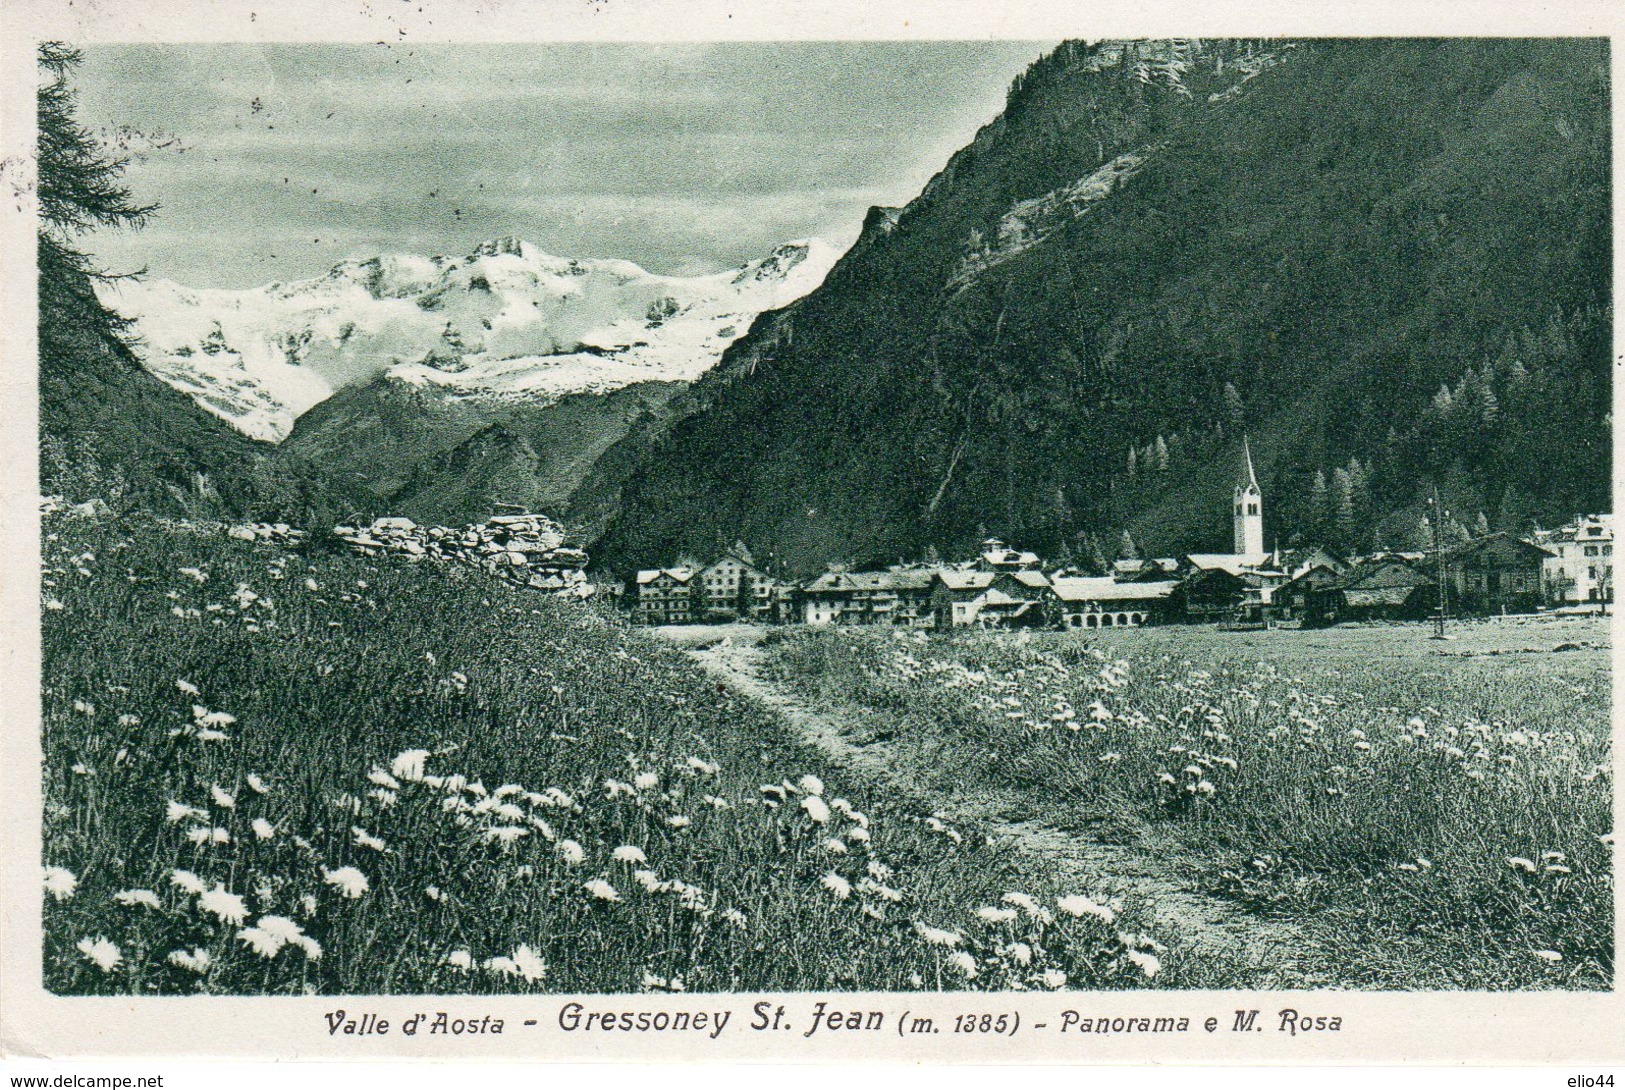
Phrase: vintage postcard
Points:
(901, 532)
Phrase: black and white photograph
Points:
(670, 523)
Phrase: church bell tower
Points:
(1249, 508)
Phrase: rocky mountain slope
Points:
(444, 388)
(1386, 260)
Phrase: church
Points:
(1216, 582)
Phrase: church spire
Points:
(1251, 480)
(1248, 521)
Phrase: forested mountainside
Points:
(1387, 261)
(391, 447)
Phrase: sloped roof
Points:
(907, 579)
(1386, 572)
(649, 575)
(966, 580)
(1106, 589)
(1234, 563)
(1495, 540)
(1378, 596)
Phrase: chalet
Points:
(1495, 574)
(663, 596)
(899, 596)
(1581, 567)
(1292, 597)
(989, 599)
(996, 557)
(1145, 571)
(1104, 602)
(734, 587)
(1386, 587)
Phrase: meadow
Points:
(1422, 814)
(278, 772)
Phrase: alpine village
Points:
(1252, 586)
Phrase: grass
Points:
(280, 773)
(1425, 820)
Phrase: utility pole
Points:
(1439, 515)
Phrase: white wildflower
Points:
(529, 965)
(812, 785)
(222, 798)
(408, 765)
(997, 915)
(60, 882)
(347, 880)
(262, 828)
(628, 853)
(602, 890)
(1147, 963)
(133, 897)
(571, 852)
(1080, 906)
(222, 903)
(815, 808)
(186, 882)
(104, 953)
(196, 960)
(840, 887)
(936, 936)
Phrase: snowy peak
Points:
(507, 321)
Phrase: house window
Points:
(1252, 508)
(1591, 550)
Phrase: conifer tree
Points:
(80, 189)
(1126, 549)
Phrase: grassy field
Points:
(1426, 814)
(274, 772)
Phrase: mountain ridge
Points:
(508, 321)
(1325, 234)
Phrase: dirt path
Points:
(1255, 952)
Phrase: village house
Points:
(989, 598)
(1494, 574)
(1153, 569)
(996, 557)
(1103, 602)
(663, 596)
(1581, 567)
(732, 587)
(1387, 587)
(899, 596)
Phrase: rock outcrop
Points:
(526, 550)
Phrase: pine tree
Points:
(1489, 409)
(1319, 505)
(1133, 461)
(1126, 549)
(1095, 556)
(1481, 526)
(1343, 507)
(80, 189)
(1235, 413)
(1161, 461)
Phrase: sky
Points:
(276, 162)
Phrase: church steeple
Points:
(1248, 519)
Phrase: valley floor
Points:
(1359, 806)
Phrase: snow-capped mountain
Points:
(507, 321)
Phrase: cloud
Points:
(678, 157)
